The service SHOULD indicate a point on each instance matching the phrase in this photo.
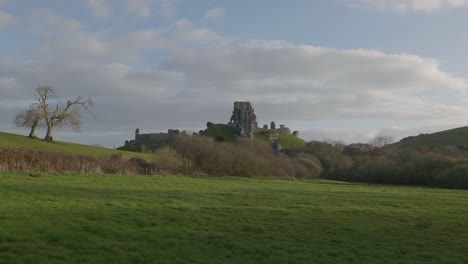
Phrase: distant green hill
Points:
(452, 137)
(8, 140)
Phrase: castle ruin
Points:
(244, 119)
(153, 138)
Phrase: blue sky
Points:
(334, 69)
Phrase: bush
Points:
(19, 160)
(422, 166)
(336, 165)
(244, 157)
(168, 160)
(454, 177)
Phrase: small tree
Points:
(381, 141)
(60, 115)
(32, 118)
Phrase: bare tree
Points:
(58, 115)
(32, 118)
(380, 141)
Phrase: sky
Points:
(346, 70)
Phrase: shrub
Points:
(454, 177)
(244, 157)
(19, 160)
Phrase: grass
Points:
(452, 137)
(287, 141)
(17, 141)
(54, 218)
(291, 142)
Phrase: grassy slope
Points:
(47, 218)
(291, 142)
(16, 141)
(286, 141)
(453, 137)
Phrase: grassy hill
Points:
(287, 141)
(17, 141)
(452, 137)
(291, 142)
(53, 218)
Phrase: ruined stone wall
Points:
(283, 130)
(152, 138)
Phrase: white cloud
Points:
(68, 39)
(413, 5)
(100, 9)
(305, 84)
(214, 14)
(205, 72)
(6, 20)
(46, 23)
(101, 46)
(150, 8)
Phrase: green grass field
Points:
(53, 218)
(17, 141)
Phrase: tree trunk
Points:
(48, 136)
(32, 134)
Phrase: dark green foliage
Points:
(409, 166)
(147, 148)
(55, 218)
(219, 130)
(335, 164)
(220, 138)
(454, 177)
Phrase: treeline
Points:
(201, 156)
(244, 157)
(190, 155)
(440, 167)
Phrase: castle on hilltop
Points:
(245, 121)
(243, 118)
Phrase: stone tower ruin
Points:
(243, 118)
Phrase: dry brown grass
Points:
(20, 160)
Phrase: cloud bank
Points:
(182, 75)
(285, 82)
(6, 20)
(413, 5)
